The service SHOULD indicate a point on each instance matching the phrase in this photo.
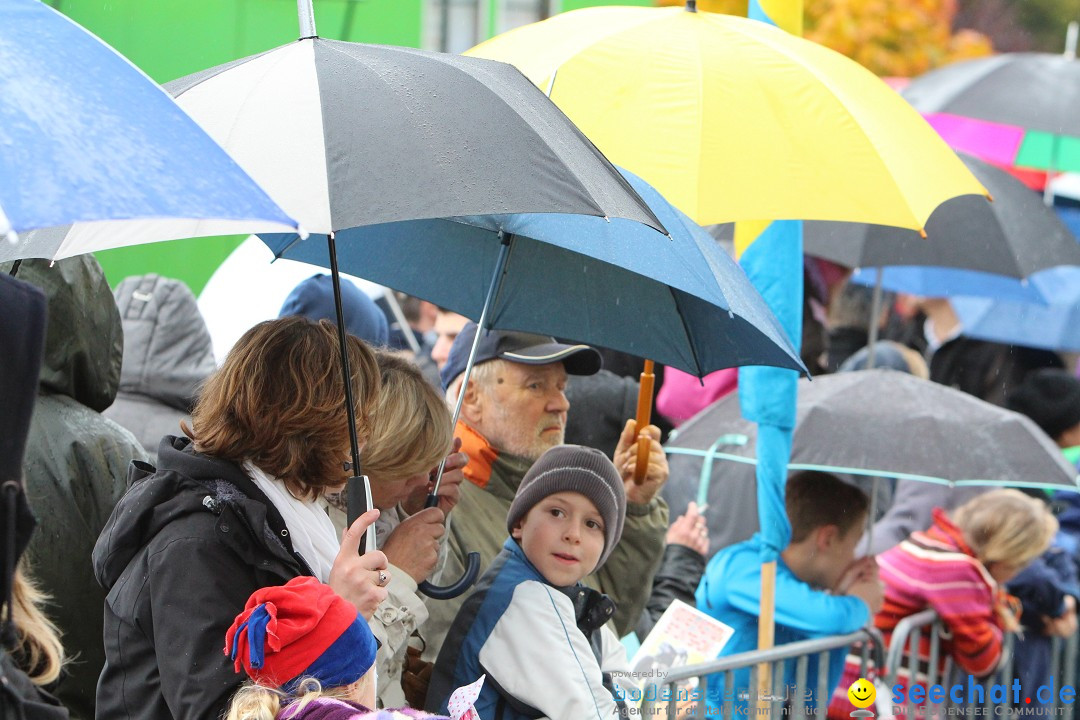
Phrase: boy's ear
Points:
(826, 536)
(516, 531)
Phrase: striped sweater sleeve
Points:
(958, 589)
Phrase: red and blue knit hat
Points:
(298, 630)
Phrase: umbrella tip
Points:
(607, 219)
(989, 197)
(691, 6)
(922, 233)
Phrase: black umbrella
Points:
(347, 135)
(1035, 91)
(872, 423)
(1014, 235)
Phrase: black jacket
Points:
(677, 578)
(181, 553)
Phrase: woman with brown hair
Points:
(234, 507)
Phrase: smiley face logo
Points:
(861, 693)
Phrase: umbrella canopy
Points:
(682, 301)
(1023, 105)
(1051, 286)
(876, 423)
(1040, 288)
(1053, 323)
(815, 136)
(86, 137)
(344, 134)
(1015, 235)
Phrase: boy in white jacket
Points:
(531, 626)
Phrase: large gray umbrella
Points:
(351, 135)
(873, 423)
(344, 134)
(1015, 235)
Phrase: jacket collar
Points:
(945, 531)
(592, 608)
(497, 472)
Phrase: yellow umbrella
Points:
(733, 119)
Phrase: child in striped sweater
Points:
(958, 567)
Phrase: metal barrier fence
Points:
(680, 693)
(672, 697)
(903, 661)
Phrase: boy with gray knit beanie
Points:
(531, 626)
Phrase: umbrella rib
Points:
(686, 331)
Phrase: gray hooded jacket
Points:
(76, 460)
(167, 355)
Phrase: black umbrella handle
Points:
(472, 569)
(446, 592)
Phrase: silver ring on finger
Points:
(383, 578)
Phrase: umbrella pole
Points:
(493, 288)
(871, 514)
(403, 323)
(472, 563)
(358, 489)
(875, 312)
(1048, 190)
(306, 14)
(766, 633)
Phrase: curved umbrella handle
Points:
(446, 592)
(472, 570)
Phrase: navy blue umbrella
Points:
(678, 300)
(675, 299)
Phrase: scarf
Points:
(312, 533)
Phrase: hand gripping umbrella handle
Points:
(472, 568)
(644, 417)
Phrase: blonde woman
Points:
(411, 434)
(958, 567)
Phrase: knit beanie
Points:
(298, 630)
(1050, 397)
(574, 468)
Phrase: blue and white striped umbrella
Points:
(86, 137)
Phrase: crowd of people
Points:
(193, 559)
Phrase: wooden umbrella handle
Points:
(644, 418)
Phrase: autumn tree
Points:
(890, 37)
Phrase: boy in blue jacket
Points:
(531, 626)
(821, 589)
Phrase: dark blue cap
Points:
(518, 347)
(314, 299)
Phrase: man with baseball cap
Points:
(513, 410)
